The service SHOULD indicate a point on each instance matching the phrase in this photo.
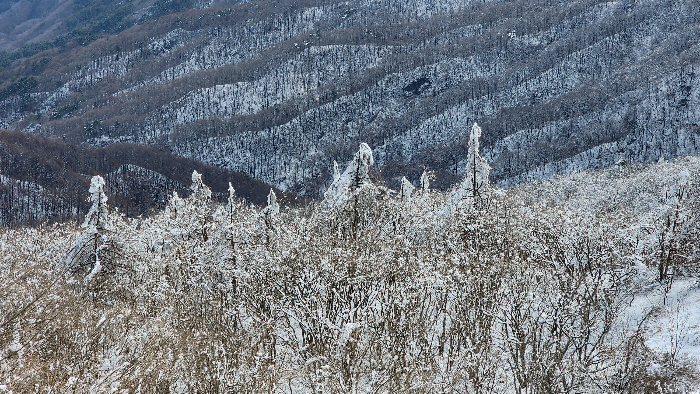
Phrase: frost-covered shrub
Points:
(541, 289)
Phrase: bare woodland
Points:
(278, 90)
(427, 265)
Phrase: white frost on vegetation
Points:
(551, 279)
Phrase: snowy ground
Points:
(676, 327)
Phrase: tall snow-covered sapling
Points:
(476, 175)
(363, 160)
(336, 172)
(231, 203)
(406, 190)
(201, 195)
(272, 206)
(97, 220)
(230, 210)
(98, 215)
(477, 172)
(424, 182)
(270, 214)
(86, 249)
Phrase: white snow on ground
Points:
(676, 327)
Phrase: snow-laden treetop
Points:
(476, 175)
(272, 205)
(406, 189)
(478, 169)
(199, 190)
(355, 176)
(97, 217)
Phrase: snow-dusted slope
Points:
(279, 91)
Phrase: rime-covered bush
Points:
(547, 288)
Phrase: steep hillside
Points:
(28, 25)
(280, 89)
(46, 179)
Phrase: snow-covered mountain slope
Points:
(278, 90)
(30, 26)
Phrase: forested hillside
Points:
(31, 26)
(587, 283)
(554, 249)
(45, 179)
(280, 89)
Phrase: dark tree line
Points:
(48, 178)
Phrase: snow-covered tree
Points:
(175, 205)
(199, 190)
(98, 216)
(200, 209)
(270, 213)
(231, 202)
(272, 207)
(229, 219)
(477, 171)
(336, 172)
(678, 229)
(424, 182)
(360, 167)
(86, 250)
(406, 189)
(476, 175)
(355, 176)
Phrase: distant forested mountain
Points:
(46, 179)
(29, 26)
(278, 90)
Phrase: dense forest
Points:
(586, 283)
(44, 179)
(280, 89)
(28, 27)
